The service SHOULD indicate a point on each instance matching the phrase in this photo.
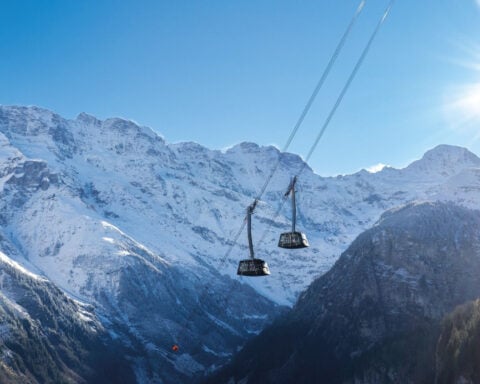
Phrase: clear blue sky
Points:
(219, 71)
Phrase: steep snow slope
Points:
(57, 223)
(185, 202)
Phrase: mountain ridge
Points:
(232, 176)
(144, 229)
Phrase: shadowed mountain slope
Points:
(375, 316)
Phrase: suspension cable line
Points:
(314, 94)
(302, 116)
(340, 97)
(337, 103)
(305, 112)
(330, 116)
(349, 82)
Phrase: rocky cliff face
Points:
(375, 316)
(45, 337)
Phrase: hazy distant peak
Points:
(190, 147)
(88, 119)
(269, 151)
(31, 109)
(119, 123)
(30, 112)
(450, 152)
(29, 121)
(445, 160)
(122, 126)
(244, 147)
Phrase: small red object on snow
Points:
(175, 348)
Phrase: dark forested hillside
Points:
(376, 316)
(458, 348)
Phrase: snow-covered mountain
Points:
(46, 337)
(117, 217)
(71, 212)
(161, 194)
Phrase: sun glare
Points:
(463, 101)
(467, 103)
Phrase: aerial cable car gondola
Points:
(252, 266)
(257, 267)
(293, 239)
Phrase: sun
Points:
(467, 103)
(463, 100)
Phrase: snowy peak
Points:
(27, 121)
(447, 154)
(245, 146)
(445, 160)
(129, 127)
(270, 151)
(265, 158)
(86, 118)
(34, 121)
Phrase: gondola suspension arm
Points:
(250, 210)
